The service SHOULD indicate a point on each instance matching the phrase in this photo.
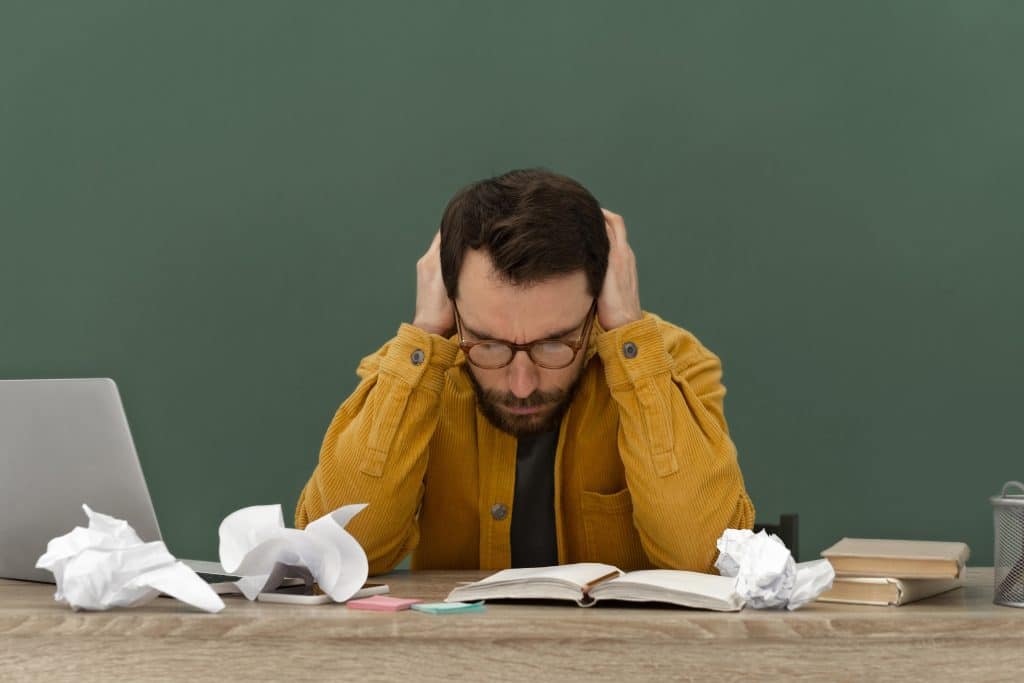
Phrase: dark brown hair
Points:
(534, 225)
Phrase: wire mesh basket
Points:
(1008, 510)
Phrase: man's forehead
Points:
(492, 306)
(523, 313)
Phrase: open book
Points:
(589, 582)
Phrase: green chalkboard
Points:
(220, 206)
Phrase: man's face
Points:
(522, 398)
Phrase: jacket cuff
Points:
(419, 358)
(633, 352)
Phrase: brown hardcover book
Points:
(891, 558)
(885, 591)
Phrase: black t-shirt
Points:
(533, 509)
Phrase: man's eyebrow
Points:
(556, 335)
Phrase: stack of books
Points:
(872, 571)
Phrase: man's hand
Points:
(619, 301)
(433, 309)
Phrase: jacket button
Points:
(499, 511)
(417, 357)
(629, 350)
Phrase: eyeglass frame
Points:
(516, 348)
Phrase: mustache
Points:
(534, 400)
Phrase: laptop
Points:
(64, 442)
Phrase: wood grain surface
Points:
(956, 636)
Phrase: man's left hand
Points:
(619, 301)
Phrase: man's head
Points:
(524, 256)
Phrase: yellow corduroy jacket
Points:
(646, 474)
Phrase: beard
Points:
(553, 405)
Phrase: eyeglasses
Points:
(553, 354)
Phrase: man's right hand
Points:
(434, 312)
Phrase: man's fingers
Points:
(612, 237)
(434, 250)
(612, 217)
(432, 255)
(616, 225)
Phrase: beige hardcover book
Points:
(891, 558)
(586, 583)
(886, 591)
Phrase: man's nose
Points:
(522, 375)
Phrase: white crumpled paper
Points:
(255, 545)
(766, 575)
(107, 565)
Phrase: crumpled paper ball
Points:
(107, 565)
(256, 545)
(766, 575)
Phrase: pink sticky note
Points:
(382, 603)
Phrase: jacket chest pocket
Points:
(611, 536)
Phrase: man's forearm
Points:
(680, 464)
(376, 448)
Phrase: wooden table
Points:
(957, 636)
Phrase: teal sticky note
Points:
(449, 607)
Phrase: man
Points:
(532, 414)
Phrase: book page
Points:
(579, 574)
(710, 585)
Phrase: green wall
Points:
(220, 206)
